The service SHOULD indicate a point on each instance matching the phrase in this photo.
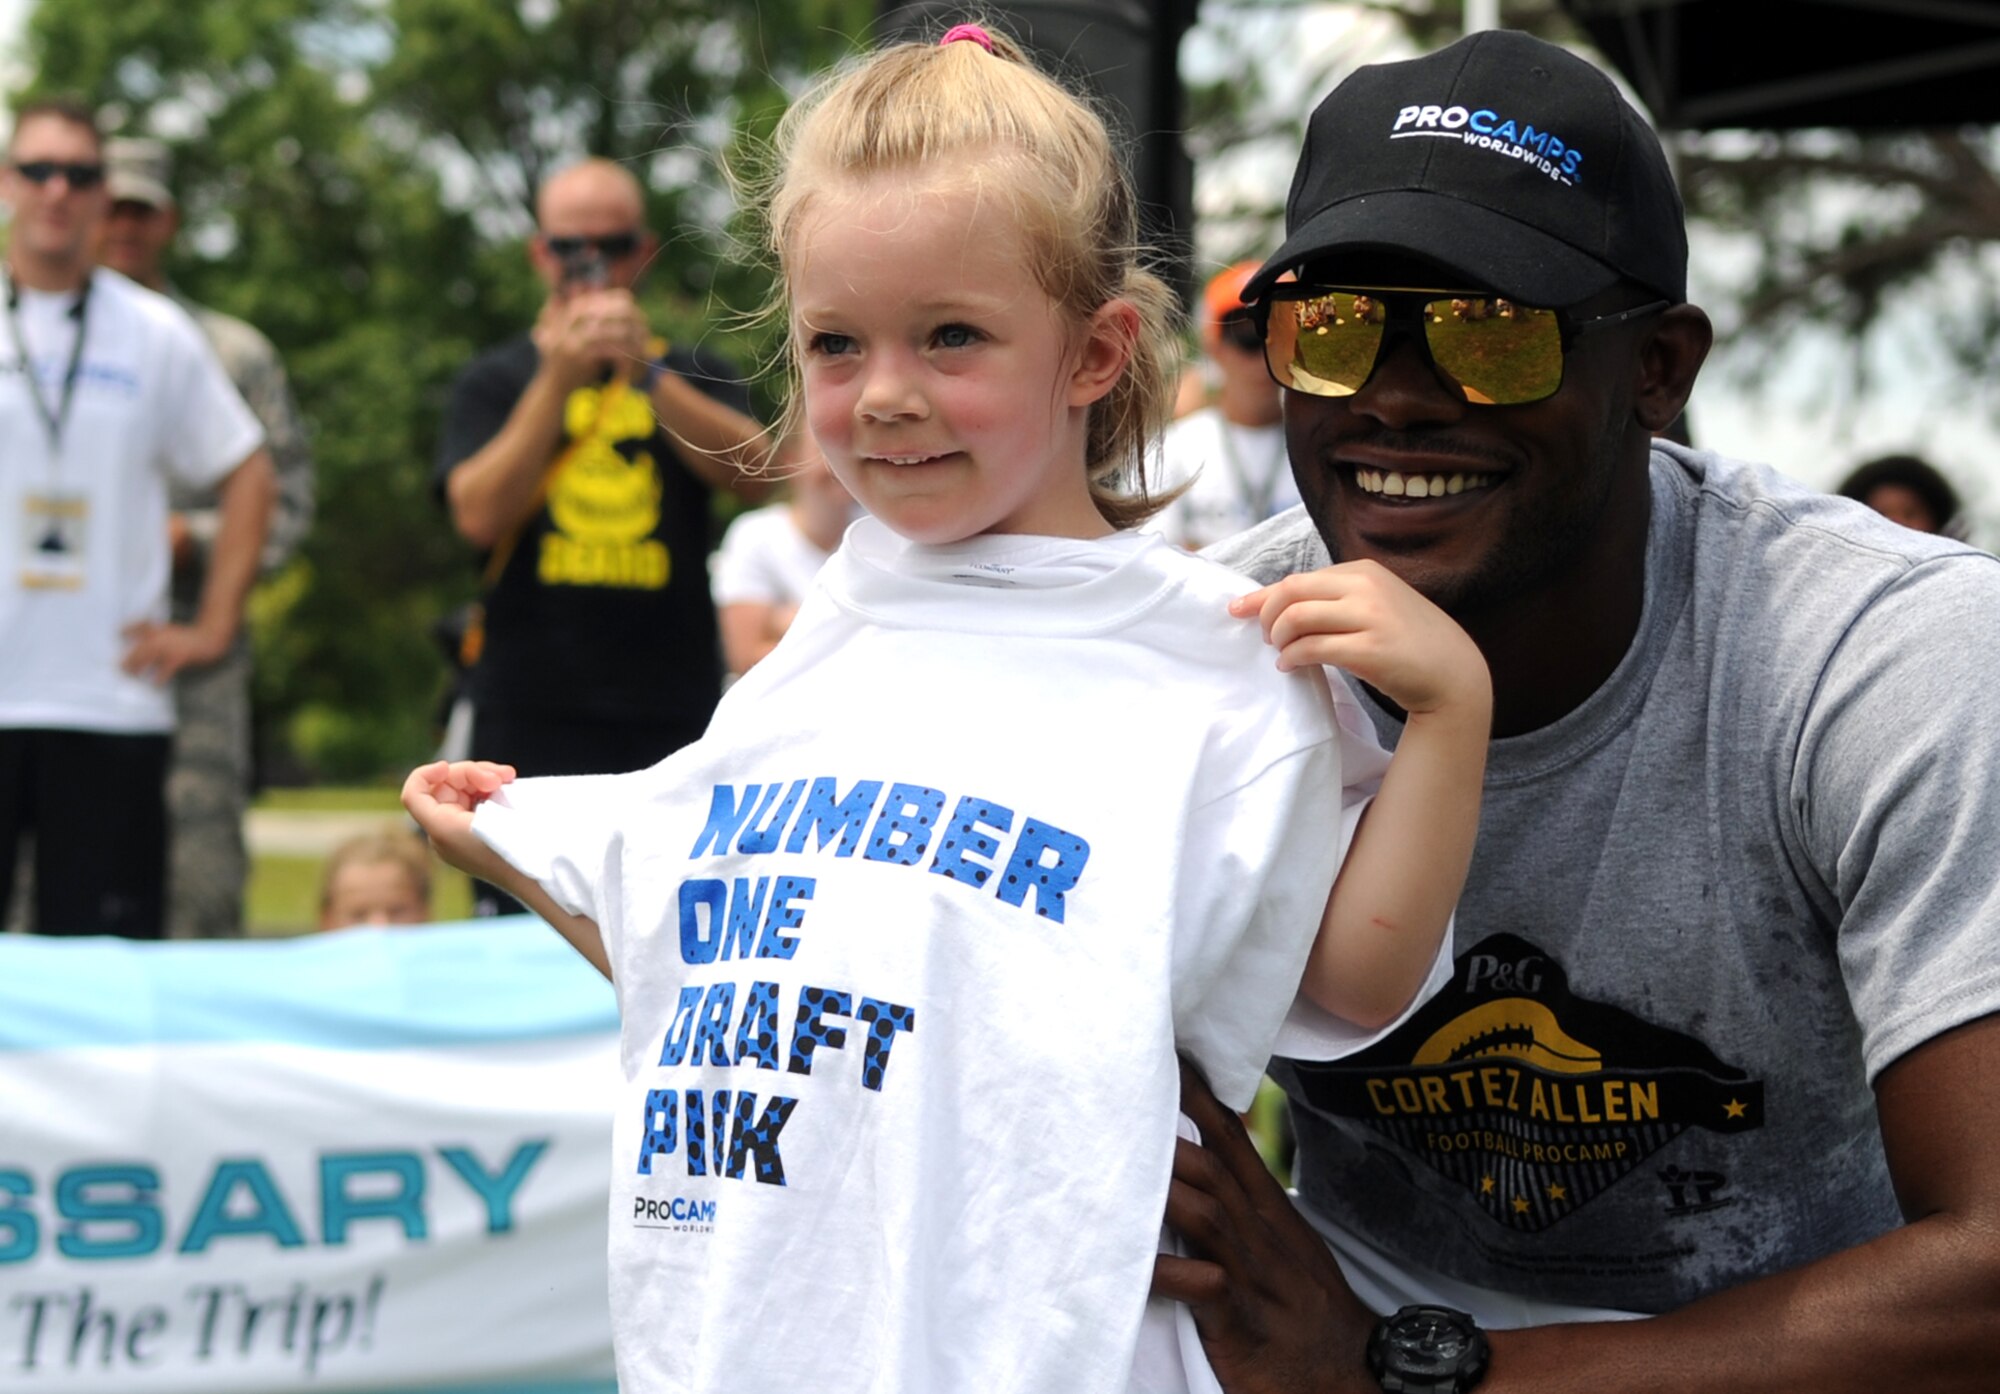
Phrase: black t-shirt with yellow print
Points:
(602, 607)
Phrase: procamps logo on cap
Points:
(1485, 129)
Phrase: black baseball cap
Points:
(1504, 159)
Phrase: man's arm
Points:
(493, 491)
(1917, 1308)
(262, 381)
(750, 630)
(724, 447)
(243, 505)
(258, 373)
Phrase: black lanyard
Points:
(52, 421)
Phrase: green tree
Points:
(356, 179)
(1842, 227)
(1255, 69)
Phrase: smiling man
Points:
(107, 396)
(1719, 1050)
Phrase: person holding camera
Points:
(580, 458)
(1230, 454)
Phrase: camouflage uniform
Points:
(208, 783)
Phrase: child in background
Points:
(905, 945)
(770, 555)
(376, 878)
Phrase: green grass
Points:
(369, 799)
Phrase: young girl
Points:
(383, 877)
(905, 945)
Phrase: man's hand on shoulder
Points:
(1275, 1314)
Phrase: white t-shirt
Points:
(83, 527)
(904, 947)
(764, 559)
(1240, 474)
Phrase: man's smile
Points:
(1397, 484)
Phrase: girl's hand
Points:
(442, 796)
(1361, 617)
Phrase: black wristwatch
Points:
(1427, 1350)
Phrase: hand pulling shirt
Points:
(903, 950)
(1707, 909)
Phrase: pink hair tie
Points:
(967, 31)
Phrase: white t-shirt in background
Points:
(1241, 476)
(83, 526)
(764, 559)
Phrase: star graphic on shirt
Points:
(1486, 1185)
(1735, 1108)
(1557, 1191)
(1520, 1205)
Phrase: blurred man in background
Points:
(108, 394)
(581, 458)
(1909, 490)
(209, 779)
(1230, 453)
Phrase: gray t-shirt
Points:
(1706, 909)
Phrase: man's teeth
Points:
(1420, 486)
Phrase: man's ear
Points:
(544, 261)
(1110, 338)
(1668, 361)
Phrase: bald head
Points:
(594, 185)
(595, 206)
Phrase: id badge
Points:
(54, 541)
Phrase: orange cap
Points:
(1223, 293)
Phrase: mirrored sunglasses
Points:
(611, 246)
(77, 176)
(1325, 341)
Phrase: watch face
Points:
(1429, 1350)
(1429, 1342)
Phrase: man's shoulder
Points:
(1274, 549)
(1784, 585)
(128, 307)
(757, 527)
(237, 342)
(1756, 525)
(1200, 423)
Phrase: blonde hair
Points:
(387, 846)
(958, 106)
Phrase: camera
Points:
(583, 267)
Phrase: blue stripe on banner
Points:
(355, 989)
(559, 1387)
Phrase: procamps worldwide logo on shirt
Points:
(1486, 129)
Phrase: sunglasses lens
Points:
(76, 176)
(1325, 345)
(1496, 353)
(1499, 353)
(618, 245)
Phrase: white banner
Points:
(367, 1160)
